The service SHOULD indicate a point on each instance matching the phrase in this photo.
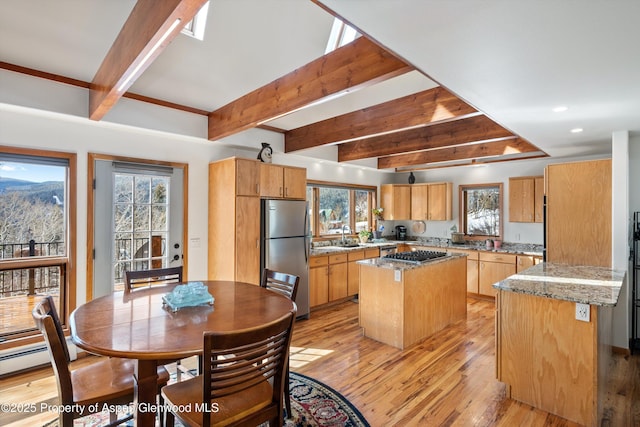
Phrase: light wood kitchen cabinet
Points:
(526, 198)
(282, 181)
(372, 253)
(472, 269)
(338, 276)
(245, 172)
(579, 215)
(494, 267)
(247, 263)
(353, 272)
(431, 202)
(538, 199)
(327, 278)
(235, 187)
(395, 201)
(419, 202)
(318, 280)
(440, 201)
(525, 261)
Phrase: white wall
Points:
(620, 232)
(38, 129)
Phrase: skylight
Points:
(340, 35)
(195, 27)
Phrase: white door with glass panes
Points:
(138, 221)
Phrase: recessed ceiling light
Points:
(576, 130)
(560, 109)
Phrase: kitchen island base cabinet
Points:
(403, 307)
(550, 360)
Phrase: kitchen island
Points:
(546, 356)
(402, 303)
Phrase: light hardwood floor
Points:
(448, 379)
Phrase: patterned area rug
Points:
(313, 404)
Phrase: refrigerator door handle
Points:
(307, 242)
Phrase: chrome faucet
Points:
(343, 239)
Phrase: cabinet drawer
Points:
(317, 261)
(354, 256)
(372, 253)
(498, 257)
(337, 259)
(471, 255)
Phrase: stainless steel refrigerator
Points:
(285, 243)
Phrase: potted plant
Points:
(377, 213)
(455, 236)
(364, 236)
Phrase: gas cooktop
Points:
(415, 257)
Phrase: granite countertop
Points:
(508, 248)
(583, 284)
(400, 265)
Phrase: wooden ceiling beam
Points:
(150, 27)
(471, 151)
(457, 132)
(418, 109)
(356, 65)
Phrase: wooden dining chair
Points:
(153, 277)
(283, 283)
(287, 285)
(243, 378)
(142, 279)
(108, 381)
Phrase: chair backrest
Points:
(283, 283)
(240, 360)
(48, 322)
(153, 277)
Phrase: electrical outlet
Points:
(397, 275)
(582, 312)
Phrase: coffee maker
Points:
(401, 232)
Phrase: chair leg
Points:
(287, 395)
(169, 419)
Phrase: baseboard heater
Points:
(28, 356)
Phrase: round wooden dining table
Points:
(139, 326)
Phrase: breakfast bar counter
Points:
(553, 337)
(402, 303)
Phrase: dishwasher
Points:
(388, 250)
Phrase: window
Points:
(37, 190)
(340, 35)
(336, 207)
(195, 27)
(481, 207)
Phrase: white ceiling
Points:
(513, 60)
(517, 60)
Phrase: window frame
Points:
(315, 205)
(66, 263)
(462, 225)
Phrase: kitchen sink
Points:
(348, 245)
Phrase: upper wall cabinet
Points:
(526, 198)
(282, 181)
(254, 178)
(395, 201)
(432, 201)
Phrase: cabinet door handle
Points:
(281, 191)
(257, 188)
